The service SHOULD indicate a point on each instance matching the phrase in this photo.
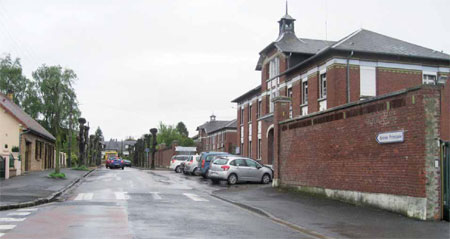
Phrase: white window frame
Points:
(429, 74)
(304, 89)
(368, 81)
(323, 87)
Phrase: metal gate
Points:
(2, 167)
(446, 179)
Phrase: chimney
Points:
(10, 95)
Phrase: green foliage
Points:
(15, 149)
(57, 175)
(181, 127)
(58, 98)
(168, 133)
(80, 168)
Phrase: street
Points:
(135, 203)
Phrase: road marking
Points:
(155, 195)
(84, 196)
(27, 209)
(122, 195)
(11, 219)
(19, 214)
(7, 227)
(195, 197)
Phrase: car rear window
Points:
(221, 161)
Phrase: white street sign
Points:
(391, 137)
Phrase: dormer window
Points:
(274, 67)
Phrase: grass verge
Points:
(57, 175)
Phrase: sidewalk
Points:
(35, 188)
(331, 218)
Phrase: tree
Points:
(168, 133)
(58, 100)
(24, 90)
(181, 127)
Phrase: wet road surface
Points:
(134, 203)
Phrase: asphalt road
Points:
(132, 203)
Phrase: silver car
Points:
(191, 166)
(238, 169)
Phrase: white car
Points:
(191, 166)
(176, 161)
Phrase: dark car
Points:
(127, 163)
(109, 160)
(116, 163)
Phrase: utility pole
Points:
(69, 151)
(153, 131)
(81, 142)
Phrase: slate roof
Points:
(117, 145)
(216, 125)
(368, 41)
(248, 94)
(26, 120)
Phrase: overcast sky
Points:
(142, 62)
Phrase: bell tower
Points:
(286, 24)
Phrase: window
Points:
(239, 162)
(250, 114)
(241, 149)
(304, 92)
(259, 149)
(274, 67)
(258, 109)
(250, 132)
(242, 115)
(251, 163)
(429, 79)
(323, 86)
(367, 81)
(249, 148)
(289, 94)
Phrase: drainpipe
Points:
(348, 76)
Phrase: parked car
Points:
(205, 160)
(116, 163)
(238, 169)
(109, 160)
(176, 161)
(127, 163)
(191, 166)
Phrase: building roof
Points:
(26, 120)
(114, 144)
(368, 41)
(216, 125)
(248, 94)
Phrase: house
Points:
(319, 75)
(19, 131)
(365, 119)
(217, 135)
(120, 147)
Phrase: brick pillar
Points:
(281, 112)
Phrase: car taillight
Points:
(203, 163)
(190, 163)
(173, 160)
(225, 167)
(122, 161)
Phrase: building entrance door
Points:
(446, 177)
(27, 156)
(270, 138)
(2, 167)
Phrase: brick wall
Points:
(163, 156)
(390, 80)
(337, 149)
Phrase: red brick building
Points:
(318, 75)
(217, 135)
(322, 110)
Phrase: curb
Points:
(48, 199)
(272, 217)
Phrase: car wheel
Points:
(232, 179)
(196, 171)
(205, 176)
(177, 169)
(265, 178)
(122, 168)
